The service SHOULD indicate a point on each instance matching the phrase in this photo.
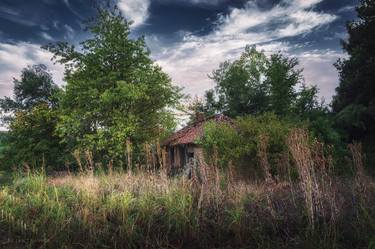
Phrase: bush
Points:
(221, 143)
(32, 141)
(239, 143)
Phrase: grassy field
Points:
(147, 210)
(214, 209)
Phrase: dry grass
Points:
(212, 210)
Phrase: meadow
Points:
(213, 209)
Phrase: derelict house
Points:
(181, 147)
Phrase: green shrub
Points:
(221, 143)
(238, 143)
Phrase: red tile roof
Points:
(190, 133)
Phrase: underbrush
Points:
(152, 211)
(213, 209)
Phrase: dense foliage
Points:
(238, 143)
(32, 117)
(34, 87)
(115, 100)
(114, 91)
(354, 102)
(255, 84)
(241, 85)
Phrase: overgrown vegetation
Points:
(238, 143)
(258, 85)
(279, 175)
(213, 209)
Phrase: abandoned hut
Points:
(181, 147)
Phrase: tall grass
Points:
(211, 210)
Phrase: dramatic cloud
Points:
(194, 57)
(135, 10)
(15, 57)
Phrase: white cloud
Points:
(56, 24)
(346, 8)
(302, 21)
(46, 36)
(190, 61)
(135, 10)
(15, 16)
(303, 3)
(15, 57)
(210, 2)
(197, 2)
(69, 34)
(67, 3)
(296, 13)
(9, 11)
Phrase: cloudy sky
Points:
(188, 38)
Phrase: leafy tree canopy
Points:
(31, 119)
(34, 87)
(32, 140)
(241, 86)
(114, 90)
(354, 102)
(255, 84)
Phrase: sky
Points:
(187, 38)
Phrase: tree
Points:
(354, 102)
(282, 77)
(241, 87)
(32, 140)
(31, 117)
(307, 101)
(198, 108)
(255, 84)
(114, 90)
(34, 87)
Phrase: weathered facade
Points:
(181, 147)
